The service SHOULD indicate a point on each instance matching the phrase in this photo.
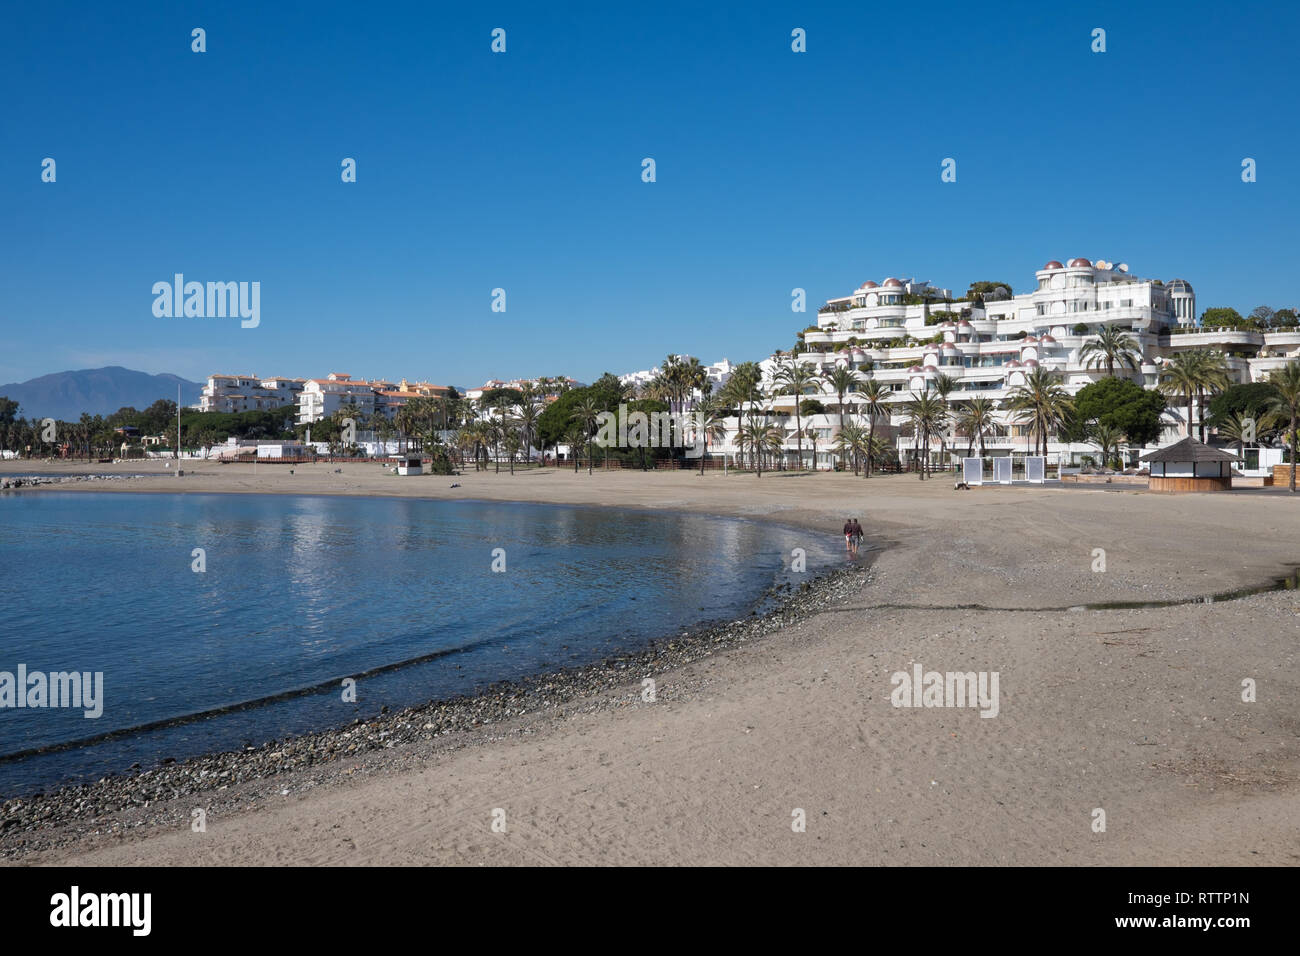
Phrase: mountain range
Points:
(99, 391)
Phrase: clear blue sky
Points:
(523, 171)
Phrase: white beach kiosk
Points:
(410, 465)
(1189, 465)
(972, 470)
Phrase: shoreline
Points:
(39, 817)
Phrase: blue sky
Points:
(522, 171)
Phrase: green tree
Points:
(1248, 400)
(744, 392)
(795, 379)
(8, 410)
(978, 290)
(1287, 405)
(874, 403)
(1222, 318)
(842, 381)
(1107, 438)
(586, 413)
(1241, 429)
(556, 419)
(975, 418)
(1113, 346)
(1118, 404)
(1041, 403)
(929, 414)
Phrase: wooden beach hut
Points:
(1190, 465)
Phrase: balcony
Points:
(1206, 338)
(1282, 337)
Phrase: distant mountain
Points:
(99, 391)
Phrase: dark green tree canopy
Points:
(557, 419)
(1249, 399)
(1121, 404)
(1222, 318)
(501, 396)
(994, 290)
(811, 406)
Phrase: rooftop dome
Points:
(914, 368)
(963, 324)
(1053, 265)
(1180, 285)
(1014, 363)
(1076, 263)
(1031, 363)
(1048, 340)
(869, 284)
(1029, 340)
(892, 283)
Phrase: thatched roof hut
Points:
(1190, 465)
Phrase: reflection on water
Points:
(300, 592)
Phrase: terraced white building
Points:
(247, 393)
(895, 331)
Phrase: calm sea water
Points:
(301, 592)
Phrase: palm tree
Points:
(1113, 346)
(772, 440)
(841, 381)
(1042, 403)
(929, 414)
(876, 448)
(795, 379)
(975, 418)
(527, 417)
(1178, 378)
(744, 392)
(587, 413)
(944, 385)
(1106, 437)
(763, 438)
(1195, 374)
(574, 437)
(512, 444)
(1212, 377)
(710, 419)
(495, 432)
(681, 376)
(873, 394)
(383, 427)
(1287, 404)
(1240, 428)
(850, 442)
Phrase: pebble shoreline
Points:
(10, 484)
(233, 780)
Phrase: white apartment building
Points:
(881, 330)
(322, 397)
(718, 374)
(245, 393)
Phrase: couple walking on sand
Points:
(852, 535)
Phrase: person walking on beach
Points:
(848, 535)
(857, 535)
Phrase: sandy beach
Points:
(1137, 711)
